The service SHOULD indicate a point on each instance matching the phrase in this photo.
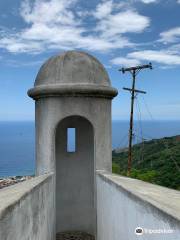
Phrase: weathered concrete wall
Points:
(27, 210)
(123, 204)
(49, 113)
(75, 207)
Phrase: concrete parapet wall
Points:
(27, 210)
(123, 204)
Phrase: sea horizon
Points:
(17, 141)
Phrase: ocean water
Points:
(146, 130)
(17, 142)
(17, 151)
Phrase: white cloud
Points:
(16, 64)
(166, 58)
(54, 24)
(123, 22)
(170, 36)
(149, 1)
(14, 44)
(145, 1)
(113, 22)
(174, 49)
(47, 12)
(104, 9)
(127, 62)
(162, 57)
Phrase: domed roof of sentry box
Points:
(71, 72)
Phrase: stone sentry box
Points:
(73, 90)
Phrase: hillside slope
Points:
(156, 161)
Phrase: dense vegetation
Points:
(156, 161)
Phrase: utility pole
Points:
(134, 71)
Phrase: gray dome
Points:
(75, 74)
(72, 68)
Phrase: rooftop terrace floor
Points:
(74, 236)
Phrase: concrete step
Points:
(74, 236)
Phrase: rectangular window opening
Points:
(71, 140)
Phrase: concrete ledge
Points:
(75, 90)
(11, 195)
(163, 199)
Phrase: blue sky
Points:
(118, 33)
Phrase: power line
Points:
(163, 139)
(147, 108)
(139, 118)
(141, 130)
(123, 140)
